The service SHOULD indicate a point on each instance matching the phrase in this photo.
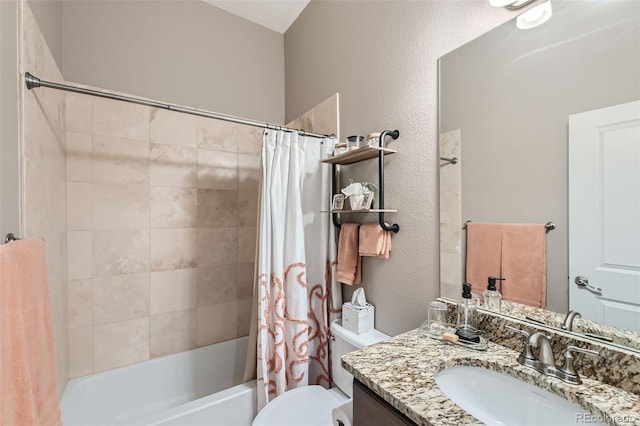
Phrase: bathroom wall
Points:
(9, 139)
(182, 51)
(162, 225)
(43, 170)
(48, 14)
(382, 58)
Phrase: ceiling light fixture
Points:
(533, 17)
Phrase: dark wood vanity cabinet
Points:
(371, 410)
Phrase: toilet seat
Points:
(308, 406)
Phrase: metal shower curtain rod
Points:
(32, 81)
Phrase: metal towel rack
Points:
(549, 226)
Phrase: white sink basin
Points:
(497, 399)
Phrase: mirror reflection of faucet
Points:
(567, 324)
(545, 362)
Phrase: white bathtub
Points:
(197, 387)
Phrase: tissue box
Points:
(358, 319)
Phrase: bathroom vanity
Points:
(396, 382)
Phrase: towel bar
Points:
(549, 226)
(10, 237)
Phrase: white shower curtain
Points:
(297, 292)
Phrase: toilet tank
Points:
(344, 342)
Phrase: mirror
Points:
(505, 102)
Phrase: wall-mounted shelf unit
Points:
(356, 156)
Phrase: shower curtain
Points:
(297, 292)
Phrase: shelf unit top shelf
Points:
(360, 154)
(361, 211)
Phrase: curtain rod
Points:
(32, 81)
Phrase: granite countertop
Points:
(402, 371)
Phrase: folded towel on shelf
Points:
(374, 241)
(484, 254)
(349, 262)
(524, 264)
(27, 353)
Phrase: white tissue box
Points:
(358, 319)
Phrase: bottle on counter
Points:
(491, 298)
(467, 306)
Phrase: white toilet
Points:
(312, 405)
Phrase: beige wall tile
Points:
(80, 304)
(217, 246)
(245, 280)
(246, 244)
(173, 290)
(120, 160)
(120, 119)
(80, 249)
(120, 298)
(325, 115)
(118, 206)
(217, 284)
(173, 207)
(80, 352)
(250, 140)
(79, 206)
(79, 112)
(248, 207)
(172, 128)
(173, 166)
(217, 134)
(217, 169)
(217, 323)
(120, 343)
(79, 157)
(304, 121)
(248, 172)
(217, 208)
(173, 249)
(173, 332)
(244, 317)
(119, 252)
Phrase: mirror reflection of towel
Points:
(513, 251)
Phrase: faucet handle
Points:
(526, 350)
(569, 355)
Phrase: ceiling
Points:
(276, 15)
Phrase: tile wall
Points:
(451, 216)
(43, 210)
(162, 212)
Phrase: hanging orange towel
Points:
(349, 261)
(524, 264)
(484, 250)
(27, 359)
(374, 241)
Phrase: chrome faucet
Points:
(545, 363)
(567, 324)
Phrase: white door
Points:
(604, 215)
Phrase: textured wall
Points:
(180, 51)
(162, 225)
(382, 58)
(44, 212)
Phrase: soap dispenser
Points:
(466, 308)
(491, 298)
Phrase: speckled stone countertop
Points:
(402, 371)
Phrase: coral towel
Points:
(513, 251)
(349, 262)
(27, 359)
(374, 241)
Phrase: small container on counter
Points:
(373, 139)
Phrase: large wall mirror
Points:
(506, 99)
